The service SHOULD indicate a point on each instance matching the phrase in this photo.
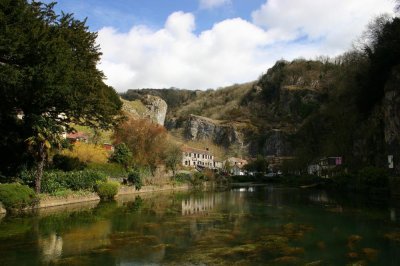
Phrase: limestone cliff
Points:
(149, 106)
(220, 132)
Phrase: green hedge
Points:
(107, 190)
(53, 181)
(76, 180)
(16, 196)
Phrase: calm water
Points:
(243, 226)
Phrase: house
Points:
(192, 157)
(77, 137)
(108, 147)
(218, 163)
(324, 166)
(237, 165)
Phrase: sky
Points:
(202, 44)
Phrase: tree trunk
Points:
(39, 170)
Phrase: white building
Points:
(192, 157)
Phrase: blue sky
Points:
(123, 14)
(201, 44)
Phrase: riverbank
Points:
(48, 201)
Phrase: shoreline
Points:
(52, 201)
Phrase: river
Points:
(260, 225)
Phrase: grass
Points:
(65, 193)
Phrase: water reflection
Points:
(200, 205)
(254, 226)
(51, 246)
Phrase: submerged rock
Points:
(352, 241)
(370, 253)
(287, 260)
(393, 236)
(352, 255)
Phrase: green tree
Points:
(48, 69)
(259, 165)
(122, 155)
(173, 157)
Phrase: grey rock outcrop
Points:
(156, 108)
(149, 106)
(202, 128)
(277, 144)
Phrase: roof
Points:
(77, 135)
(237, 160)
(194, 150)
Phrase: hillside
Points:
(248, 119)
(347, 106)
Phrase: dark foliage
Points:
(67, 163)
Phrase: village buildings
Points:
(193, 157)
(324, 167)
(236, 165)
(198, 158)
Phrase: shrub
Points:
(196, 180)
(16, 196)
(67, 163)
(122, 155)
(107, 190)
(53, 181)
(182, 177)
(110, 169)
(135, 178)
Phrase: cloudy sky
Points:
(200, 44)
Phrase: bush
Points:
(196, 180)
(16, 196)
(110, 169)
(67, 163)
(107, 190)
(135, 178)
(122, 155)
(182, 178)
(53, 181)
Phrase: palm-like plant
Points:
(47, 135)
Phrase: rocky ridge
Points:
(149, 107)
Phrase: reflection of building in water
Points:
(321, 197)
(51, 247)
(195, 205)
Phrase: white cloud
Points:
(233, 50)
(209, 4)
(336, 22)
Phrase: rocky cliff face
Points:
(202, 128)
(149, 106)
(277, 143)
(156, 108)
